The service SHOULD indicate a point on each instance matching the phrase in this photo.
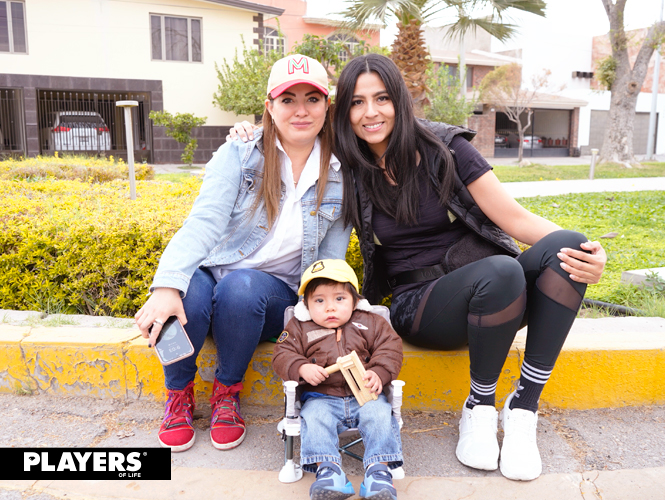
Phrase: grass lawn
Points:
(639, 220)
(537, 172)
(176, 177)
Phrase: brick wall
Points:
(574, 130)
(167, 150)
(485, 125)
(479, 72)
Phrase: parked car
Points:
(530, 141)
(500, 141)
(76, 131)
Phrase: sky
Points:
(562, 16)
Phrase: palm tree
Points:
(409, 50)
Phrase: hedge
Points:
(72, 167)
(84, 248)
(78, 247)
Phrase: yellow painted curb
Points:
(601, 365)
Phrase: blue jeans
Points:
(324, 417)
(243, 309)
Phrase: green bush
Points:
(72, 167)
(75, 247)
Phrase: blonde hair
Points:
(270, 190)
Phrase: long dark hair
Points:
(408, 137)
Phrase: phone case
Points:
(182, 339)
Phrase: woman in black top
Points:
(433, 223)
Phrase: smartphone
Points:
(173, 344)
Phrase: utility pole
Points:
(651, 138)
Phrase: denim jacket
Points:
(221, 228)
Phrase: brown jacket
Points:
(374, 340)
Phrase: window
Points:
(272, 41)
(351, 42)
(452, 71)
(175, 38)
(12, 27)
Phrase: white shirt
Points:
(280, 254)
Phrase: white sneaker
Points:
(477, 446)
(520, 458)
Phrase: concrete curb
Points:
(622, 359)
(645, 484)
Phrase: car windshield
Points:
(82, 120)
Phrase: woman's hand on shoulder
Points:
(241, 130)
(584, 267)
(162, 304)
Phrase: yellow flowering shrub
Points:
(72, 167)
(84, 247)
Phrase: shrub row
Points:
(84, 248)
(77, 247)
(70, 167)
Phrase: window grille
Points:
(349, 41)
(12, 124)
(272, 41)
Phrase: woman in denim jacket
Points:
(267, 209)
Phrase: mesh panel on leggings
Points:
(514, 310)
(557, 288)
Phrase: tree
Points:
(409, 51)
(446, 104)
(624, 83)
(179, 127)
(242, 85)
(327, 52)
(503, 88)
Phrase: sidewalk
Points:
(608, 454)
(565, 160)
(601, 426)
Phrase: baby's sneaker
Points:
(378, 483)
(331, 483)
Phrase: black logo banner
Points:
(86, 463)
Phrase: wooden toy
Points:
(353, 371)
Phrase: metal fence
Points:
(90, 123)
(12, 125)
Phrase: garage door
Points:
(640, 131)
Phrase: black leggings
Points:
(486, 302)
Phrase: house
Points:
(72, 60)
(303, 17)
(555, 118)
(569, 41)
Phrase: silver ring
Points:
(158, 322)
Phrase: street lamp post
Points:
(651, 138)
(128, 105)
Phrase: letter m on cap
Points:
(298, 64)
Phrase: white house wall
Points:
(600, 101)
(111, 39)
